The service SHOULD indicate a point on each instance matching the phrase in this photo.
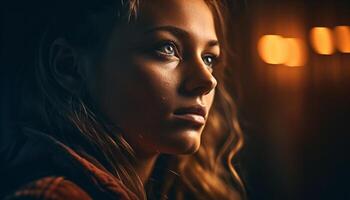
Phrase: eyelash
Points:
(160, 51)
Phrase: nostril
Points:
(200, 86)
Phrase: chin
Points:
(191, 150)
(187, 143)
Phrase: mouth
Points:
(195, 115)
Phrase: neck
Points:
(144, 160)
(144, 166)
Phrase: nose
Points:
(198, 80)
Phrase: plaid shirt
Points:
(44, 168)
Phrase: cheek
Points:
(139, 96)
(151, 89)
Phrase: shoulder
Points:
(50, 188)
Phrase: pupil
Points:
(169, 49)
(208, 60)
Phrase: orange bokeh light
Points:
(342, 35)
(322, 40)
(272, 49)
(296, 52)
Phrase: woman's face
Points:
(155, 80)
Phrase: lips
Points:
(193, 114)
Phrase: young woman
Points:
(129, 102)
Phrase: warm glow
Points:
(342, 35)
(322, 40)
(275, 49)
(272, 49)
(296, 52)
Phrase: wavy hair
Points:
(71, 118)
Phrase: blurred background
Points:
(293, 70)
(291, 82)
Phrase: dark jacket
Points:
(41, 167)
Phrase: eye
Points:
(209, 60)
(167, 49)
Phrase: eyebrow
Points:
(179, 32)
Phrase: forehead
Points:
(193, 16)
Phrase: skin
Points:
(149, 71)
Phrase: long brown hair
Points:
(207, 174)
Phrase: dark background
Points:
(295, 119)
